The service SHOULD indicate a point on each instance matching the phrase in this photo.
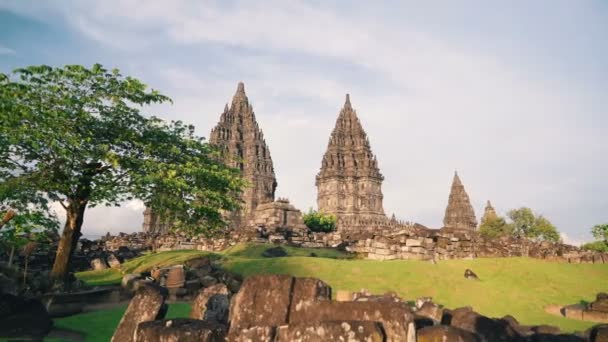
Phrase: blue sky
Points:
(511, 94)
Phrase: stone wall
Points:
(410, 242)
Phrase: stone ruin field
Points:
(519, 287)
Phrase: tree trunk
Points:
(10, 257)
(69, 239)
(27, 257)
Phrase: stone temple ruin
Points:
(459, 213)
(349, 185)
(239, 136)
(349, 182)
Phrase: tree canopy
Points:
(600, 232)
(526, 223)
(75, 136)
(523, 223)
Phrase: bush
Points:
(495, 227)
(597, 246)
(320, 222)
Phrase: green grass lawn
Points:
(100, 325)
(517, 286)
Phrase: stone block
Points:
(98, 264)
(413, 242)
(180, 330)
(595, 316)
(253, 334)
(146, 305)
(211, 304)
(440, 333)
(396, 317)
(261, 301)
(331, 331)
(574, 311)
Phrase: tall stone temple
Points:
(459, 212)
(239, 136)
(489, 213)
(349, 182)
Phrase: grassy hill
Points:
(517, 286)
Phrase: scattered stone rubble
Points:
(284, 308)
(596, 311)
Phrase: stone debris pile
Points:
(285, 308)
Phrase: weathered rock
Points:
(598, 333)
(274, 252)
(113, 261)
(21, 318)
(488, 329)
(208, 281)
(331, 331)
(261, 301)
(199, 262)
(396, 317)
(176, 277)
(128, 280)
(253, 334)
(600, 303)
(180, 330)
(444, 333)
(421, 300)
(306, 291)
(98, 264)
(211, 304)
(470, 274)
(146, 305)
(431, 310)
(574, 311)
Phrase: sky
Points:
(511, 94)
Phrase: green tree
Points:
(527, 224)
(494, 227)
(600, 232)
(319, 222)
(75, 136)
(522, 221)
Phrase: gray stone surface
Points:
(146, 305)
(211, 304)
(180, 330)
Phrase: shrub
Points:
(319, 222)
(597, 246)
(494, 227)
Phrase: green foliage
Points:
(598, 246)
(600, 232)
(76, 136)
(99, 326)
(526, 224)
(495, 227)
(319, 222)
(28, 225)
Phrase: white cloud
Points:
(572, 241)
(430, 105)
(6, 51)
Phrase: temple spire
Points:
(349, 182)
(489, 213)
(239, 134)
(459, 213)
